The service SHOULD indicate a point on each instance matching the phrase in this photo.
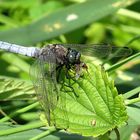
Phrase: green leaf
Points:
(63, 21)
(11, 88)
(93, 29)
(28, 134)
(133, 112)
(16, 61)
(93, 106)
(42, 9)
(17, 3)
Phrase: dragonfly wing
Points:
(100, 50)
(43, 75)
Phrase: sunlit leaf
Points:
(16, 61)
(93, 106)
(34, 132)
(11, 88)
(63, 21)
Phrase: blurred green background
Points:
(40, 22)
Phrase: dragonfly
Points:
(49, 62)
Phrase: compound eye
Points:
(71, 56)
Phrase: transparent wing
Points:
(100, 50)
(43, 75)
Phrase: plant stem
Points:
(131, 92)
(117, 65)
(6, 118)
(21, 128)
(46, 133)
(117, 133)
(132, 101)
(129, 13)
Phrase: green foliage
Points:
(95, 109)
(62, 21)
(35, 22)
(18, 89)
(31, 133)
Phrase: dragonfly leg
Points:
(63, 82)
(70, 86)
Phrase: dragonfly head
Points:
(73, 56)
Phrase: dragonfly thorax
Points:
(60, 55)
(54, 53)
